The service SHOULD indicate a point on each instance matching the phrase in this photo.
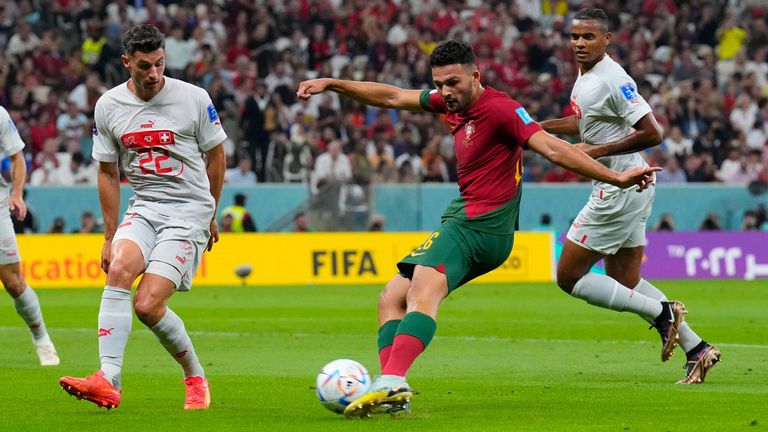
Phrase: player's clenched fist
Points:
(312, 87)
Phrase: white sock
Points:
(606, 292)
(173, 336)
(115, 321)
(28, 307)
(688, 338)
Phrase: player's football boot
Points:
(198, 395)
(93, 388)
(46, 352)
(699, 363)
(668, 325)
(388, 394)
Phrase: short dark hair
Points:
(145, 38)
(452, 52)
(240, 199)
(596, 14)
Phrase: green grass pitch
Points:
(506, 358)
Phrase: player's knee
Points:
(120, 274)
(147, 310)
(566, 281)
(14, 283)
(391, 299)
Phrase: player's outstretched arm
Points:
(109, 197)
(647, 134)
(561, 126)
(570, 157)
(369, 93)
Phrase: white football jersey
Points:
(159, 145)
(10, 144)
(606, 104)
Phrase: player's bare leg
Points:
(151, 306)
(392, 309)
(428, 287)
(28, 307)
(624, 266)
(115, 324)
(574, 278)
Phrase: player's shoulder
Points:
(4, 113)
(113, 96)
(495, 98)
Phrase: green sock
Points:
(387, 333)
(419, 325)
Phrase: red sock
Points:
(404, 351)
(384, 355)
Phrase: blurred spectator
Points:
(239, 218)
(734, 169)
(545, 223)
(57, 227)
(242, 173)
(88, 224)
(76, 172)
(665, 223)
(677, 144)
(376, 223)
(671, 172)
(300, 223)
(711, 223)
(750, 222)
(71, 125)
(333, 166)
(86, 94)
(298, 156)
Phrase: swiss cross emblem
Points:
(469, 129)
(165, 137)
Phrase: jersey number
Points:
(153, 156)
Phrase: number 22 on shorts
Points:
(426, 245)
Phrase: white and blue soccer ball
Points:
(341, 382)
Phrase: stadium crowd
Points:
(700, 64)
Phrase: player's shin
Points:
(28, 308)
(172, 334)
(688, 338)
(386, 339)
(606, 292)
(413, 335)
(115, 321)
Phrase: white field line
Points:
(494, 339)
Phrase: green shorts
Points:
(460, 253)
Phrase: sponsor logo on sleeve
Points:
(213, 116)
(629, 92)
(524, 116)
(94, 129)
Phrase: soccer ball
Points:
(340, 382)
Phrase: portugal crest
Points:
(469, 129)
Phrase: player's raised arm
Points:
(369, 93)
(561, 126)
(568, 156)
(647, 134)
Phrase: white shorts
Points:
(9, 249)
(171, 248)
(613, 221)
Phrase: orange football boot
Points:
(93, 388)
(198, 395)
